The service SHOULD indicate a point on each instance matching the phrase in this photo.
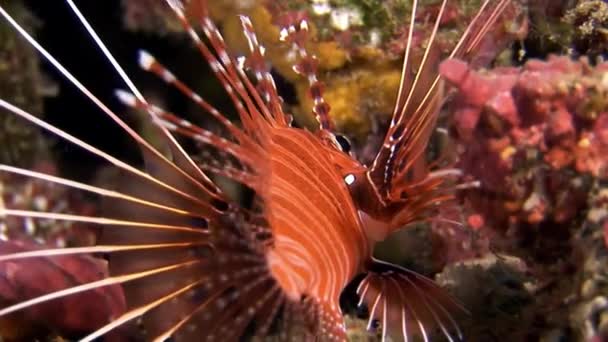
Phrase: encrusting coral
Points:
(535, 137)
(575, 28)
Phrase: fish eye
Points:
(343, 142)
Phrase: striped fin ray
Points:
(466, 48)
(184, 128)
(223, 68)
(420, 97)
(220, 163)
(162, 239)
(172, 275)
(407, 305)
(219, 155)
(168, 267)
(169, 293)
(425, 196)
(150, 63)
(199, 190)
(253, 112)
(102, 192)
(255, 99)
(297, 35)
(180, 161)
(59, 301)
(424, 200)
(235, 299)
(135, 174)
(227, 254)
(246, 152)
(265, 82)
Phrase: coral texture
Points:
(535, 138)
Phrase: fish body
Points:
(319, 243)
(195, 265)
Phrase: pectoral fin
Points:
(407, 304)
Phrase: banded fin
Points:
(297, 34)
(177, 248)
(408, 305)
(421, 96)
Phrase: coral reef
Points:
(589, 18)
(576, 27)
(590, 316)
(535, 138)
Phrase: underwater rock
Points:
(589, 20)
(24, 85)
(590, 316)
(495, 289)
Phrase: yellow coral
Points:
(584, 143)
(354, 90)
(507, 152)
(355, 96)
(331, 55)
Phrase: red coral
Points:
(22, 279)
(476, 221)
(600, 129)
(526, 133)
(561, 124)
(26, 278)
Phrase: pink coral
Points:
(529, 134)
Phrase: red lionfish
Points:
(194, 264)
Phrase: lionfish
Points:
(194, 264)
